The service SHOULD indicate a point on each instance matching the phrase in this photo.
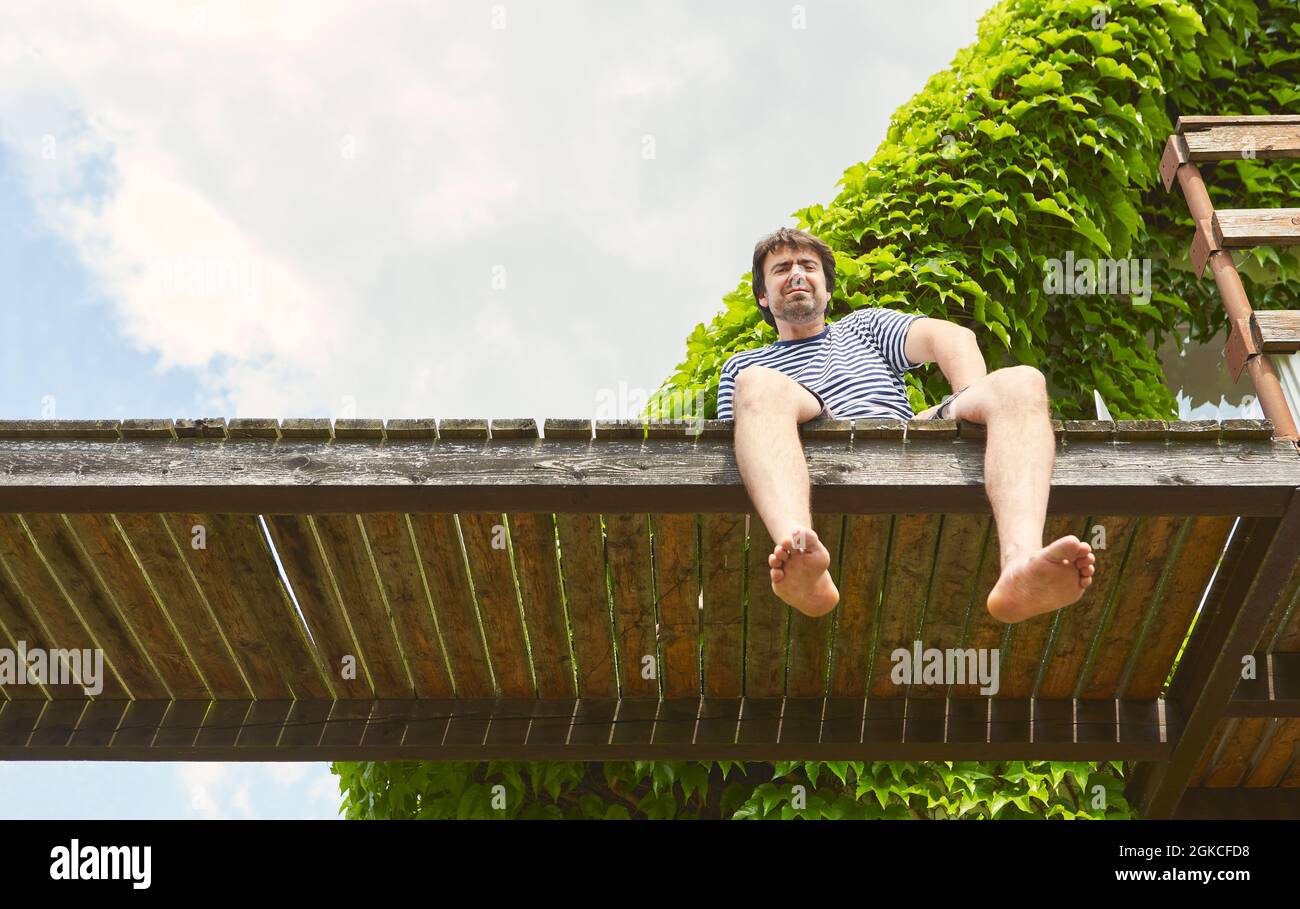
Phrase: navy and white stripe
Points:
(856, 365)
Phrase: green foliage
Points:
(667, 790)
(1044, 137)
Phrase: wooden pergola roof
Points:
(601, 592)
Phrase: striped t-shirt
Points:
(855, 365)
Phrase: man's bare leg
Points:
(1019, 456)
(769, 406)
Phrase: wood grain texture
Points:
(677, 602)
(47, 604)
(586, 590)
(438, 543)
(304, 565)
(168, 575)
(952, 588)
(1235, 476)
(494, 591)
(532, 537)
(1139, 588)
(767, 621)
(724, 569)
(627, 547)
(401, 579)
(907, 584)
(862, 572)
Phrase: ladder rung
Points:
(1277, 331)
(1243, 227)
(1278, 137)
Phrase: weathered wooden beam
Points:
(1238, 228)
(1276, 331)
(1224, 138)
(588, 729)
(1223, 475)
(1210, 667)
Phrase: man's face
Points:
(795, 285)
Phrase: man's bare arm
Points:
(952, 346)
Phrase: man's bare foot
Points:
(1054, 576)
(801, 575)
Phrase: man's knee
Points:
(1020, 387)
(762, 386)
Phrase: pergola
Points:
(600, 592)
(471, 590)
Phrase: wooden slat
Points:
(810, 637)
(1232, 760)
(398, 567)
(1188, 125)
(239, 579)
(724, 569)
(1225, 141)
(1182, 595)
(1027, 644)
(586, 591)
(85, 599)
(122, 583)
(18, 622)
(907, 580)
(627, 546)
(767, 621)
(1277, 331)
(952, 588)
(982, 631)
(532, 536)
(1139, 586)
(1242, 227)
(1080, 624)
(677, 601)
(309, 576)
(46, 601)
(1281, 753)
(862, 573)
(347, 554)
(168, 574)
(439, 545)
(494, 591)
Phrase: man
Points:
(853, 368)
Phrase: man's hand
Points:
(926, 414)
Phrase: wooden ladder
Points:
(1251, 335)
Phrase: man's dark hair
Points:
(788, 237)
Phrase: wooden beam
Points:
(1210, 667)
(1222, 475)
(904, 729)
(1238, 228)
(1276, 331)
(1275, 690)
(1234, 137)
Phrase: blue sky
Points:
(291, 209)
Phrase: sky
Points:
(417, 209)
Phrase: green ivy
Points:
(1045, 136)
(683, 790)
